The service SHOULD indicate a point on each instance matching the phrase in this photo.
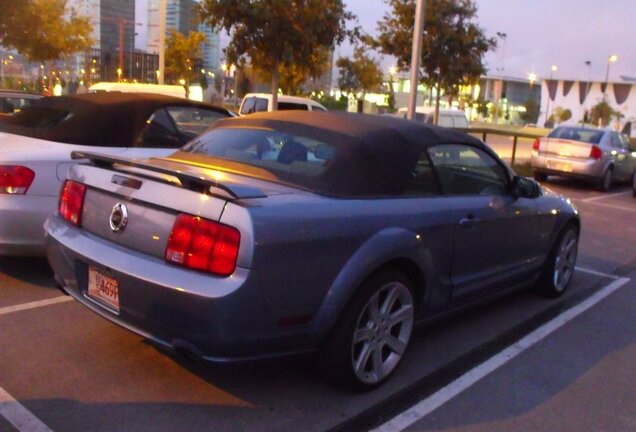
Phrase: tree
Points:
(43, 30)
(562, 114)
(277, 34)
(601, 113)
(453, 44)
(292, 77)
(362, 74)
(181, 53)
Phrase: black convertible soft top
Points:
(96, 119)
(375, 154)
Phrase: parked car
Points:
(289, 232)
(36, 146)
(262, 102)
(447, 118)
(601, 156)
(13, 101)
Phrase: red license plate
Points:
(103, 288)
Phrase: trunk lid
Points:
(153, 194)
(565, 148)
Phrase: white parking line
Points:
(597, 273)
(20, 417)
(12, 410)
(34, 304)
(604, 196)
(431, 403)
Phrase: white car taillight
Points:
(15, 179)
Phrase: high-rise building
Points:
(181, 16)
(113, 22)
(211, 48)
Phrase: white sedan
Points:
(36, 146)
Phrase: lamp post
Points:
(416, 55)
(500, 69)
(611, 59)
(588, 85)
(503, 37)
(553, 69)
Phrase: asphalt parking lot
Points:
(63, 368)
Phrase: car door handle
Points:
(468, 222)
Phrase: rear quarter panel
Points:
(313, 253)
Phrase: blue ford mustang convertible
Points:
(294, 232)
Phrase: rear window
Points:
(13, 105)
(291, 158)
(590, 136)
(41, 118)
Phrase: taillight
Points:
(15, 179)
(596, 152)
(535, 144)
(203, 244)
(72, 202)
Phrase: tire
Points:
(365, 348)
(559, 267)
(605, 184)
(634, 184)
(539, 176)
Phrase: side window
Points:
(317, 108)
(160, 132)
(422, 181)
(466, 170)
(193, 121)
(615, 140)
(260, 105)
(248, 105)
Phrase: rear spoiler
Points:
(188, 181)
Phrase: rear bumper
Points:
(21, 220)
(218, 320)
(590, 169)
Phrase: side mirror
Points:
(525, 187)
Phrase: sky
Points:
(542, 33)
(539, 34)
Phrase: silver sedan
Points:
(601, 156)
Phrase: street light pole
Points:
(611, 59)
(162, 42)
(416, 55)
(499, 88)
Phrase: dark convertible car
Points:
(295, 232)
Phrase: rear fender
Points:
(385, 246)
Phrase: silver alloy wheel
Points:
(565, 261)
(382, 332)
